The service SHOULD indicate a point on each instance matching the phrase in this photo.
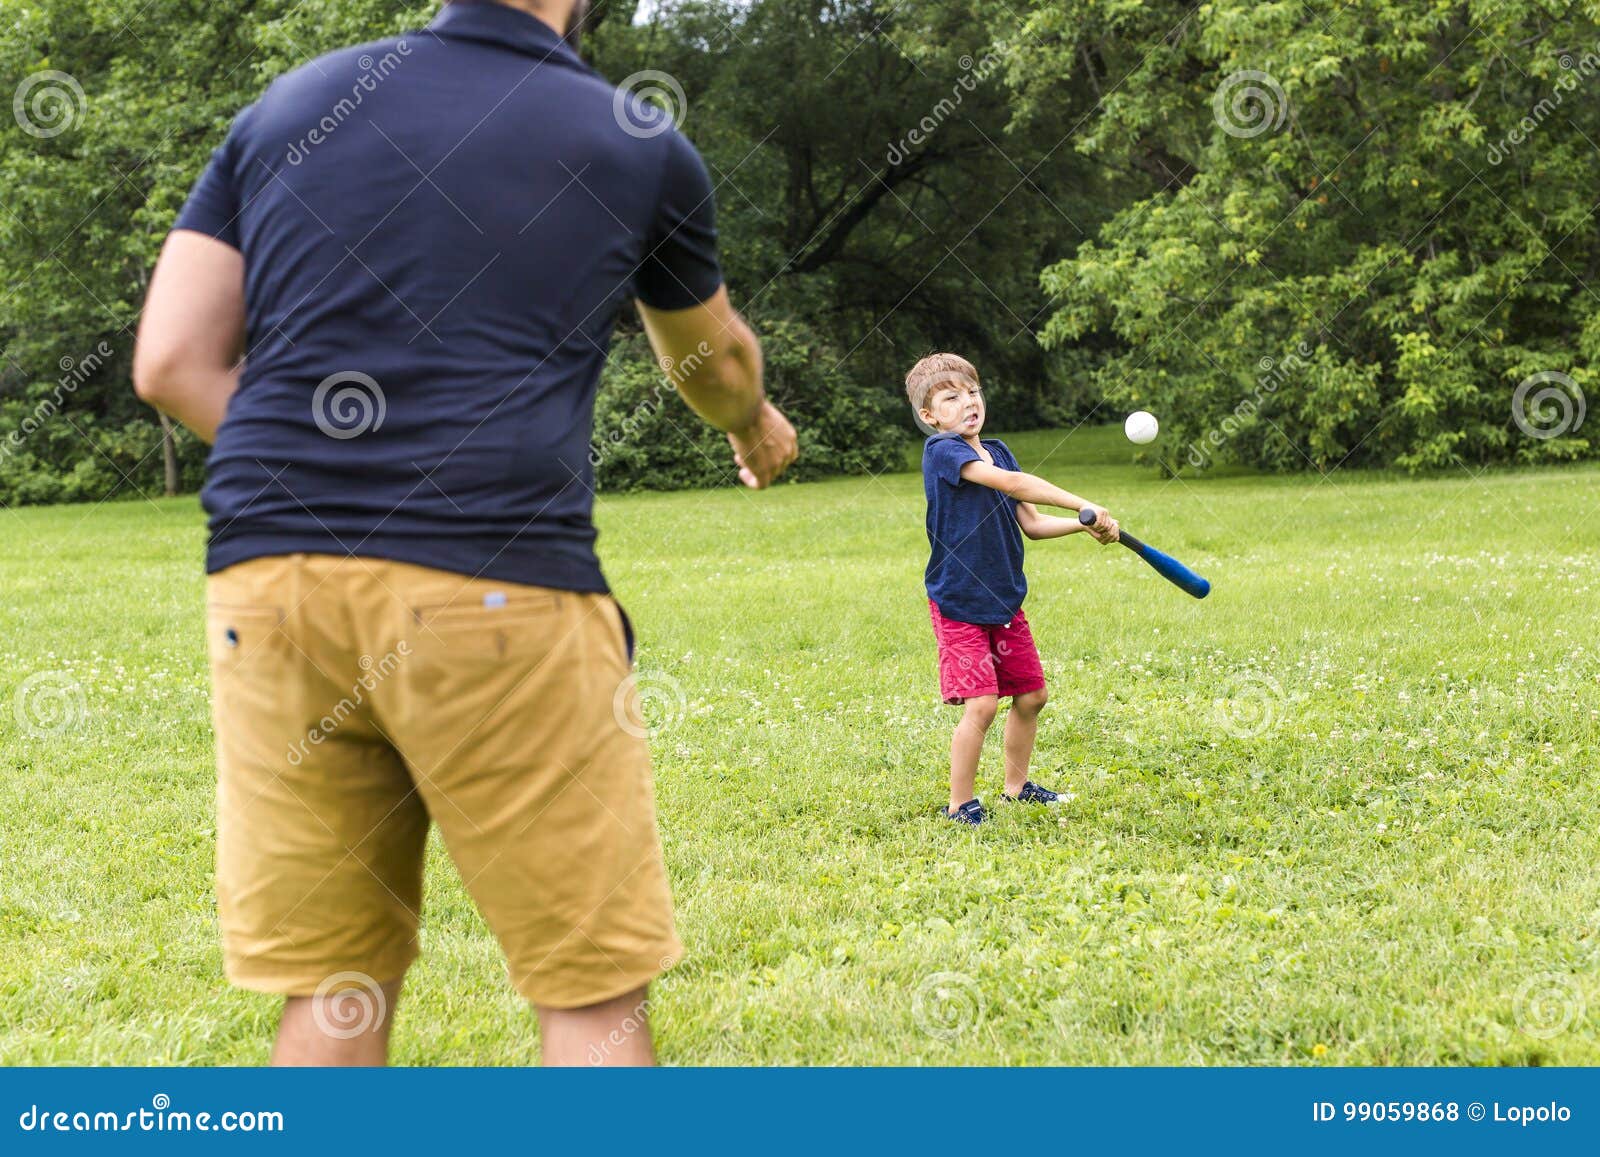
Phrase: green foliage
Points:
(1406, 194)
(831, 213)
(874, 262)
(645, 437)
(86, 206)
(1396, 235)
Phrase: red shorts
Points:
(977, 660)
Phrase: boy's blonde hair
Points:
(934, 371)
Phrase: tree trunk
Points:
(169, 454)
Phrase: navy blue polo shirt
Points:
(975, 566)
(438, 232)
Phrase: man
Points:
(387, 302)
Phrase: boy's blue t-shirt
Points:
(975, 569)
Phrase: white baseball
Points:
(1141, 427)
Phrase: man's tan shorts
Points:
(355, 700)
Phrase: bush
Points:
(645, 437)
(54, 451)
(1363, 249)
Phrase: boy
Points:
(978, 500)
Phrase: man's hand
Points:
(763, 449)
(1104, 528)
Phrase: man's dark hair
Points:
(574, 33)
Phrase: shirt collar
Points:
(495, 23)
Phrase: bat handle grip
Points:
(1087, 515)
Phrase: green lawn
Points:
(1341, 812)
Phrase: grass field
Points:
(1341, 812)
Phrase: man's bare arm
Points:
(711, 356)
(186, 359)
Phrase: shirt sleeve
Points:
(680, 267)
(946, 457)
(214, 202)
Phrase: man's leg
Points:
(345, 1029)
(966, 746)
(300, 911)
(519, 717)
(1022, 725)
(613, 1033)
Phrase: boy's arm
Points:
(1036, 525)
(1029, 488)
(1022, 487)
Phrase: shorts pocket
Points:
(521, 627)
(237, 632)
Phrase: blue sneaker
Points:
(1032, 793)
(970, 812)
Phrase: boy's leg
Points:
(1022, 724)
(1019, 674)
(966, 675)
(966, 746)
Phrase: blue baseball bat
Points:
(1164, 565)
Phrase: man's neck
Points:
(552, 14)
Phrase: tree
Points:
(1368, 225)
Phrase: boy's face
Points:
(957, 406)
